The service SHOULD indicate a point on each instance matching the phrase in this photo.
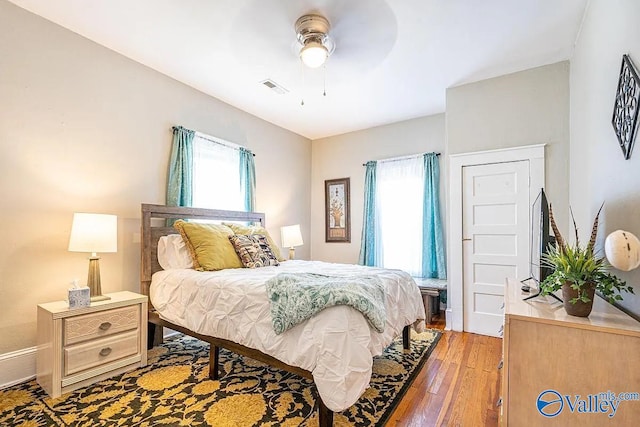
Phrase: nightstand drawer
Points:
(93, 325)
(98, 352)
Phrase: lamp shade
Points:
(94, 233)
(622, 250)
(291, 236)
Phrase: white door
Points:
(495, 231)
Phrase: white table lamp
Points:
(291, 237)
(94, 233)
(622, 250)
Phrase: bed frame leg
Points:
(214, 354)
(325, 416)
(154, 335)
(406, 342)
(151, 335)
(151, 332)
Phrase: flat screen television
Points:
(540, 241)
(540, 238)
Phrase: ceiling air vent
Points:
(274, 86)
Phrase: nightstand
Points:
(77, 347)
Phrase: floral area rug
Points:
(174, 390)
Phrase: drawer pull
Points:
(499, 403)
(105, 351)
(502, 306)
(104, 326)
(501, 328)
(501, 364)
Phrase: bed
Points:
(229, 309)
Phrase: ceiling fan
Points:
(271, 37)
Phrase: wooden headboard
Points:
(153, 230)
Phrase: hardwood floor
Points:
(459, 384)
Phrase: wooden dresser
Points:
(77, 347)
(558, 364)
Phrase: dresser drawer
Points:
(98, 352)
(94, 325)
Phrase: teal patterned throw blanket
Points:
(295, 297)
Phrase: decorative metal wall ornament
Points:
(626, 106)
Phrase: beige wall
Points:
(84, 129)
(524, 108)
(599, 172)
(343, 155)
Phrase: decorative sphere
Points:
(623, 250)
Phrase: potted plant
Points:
(579, 272)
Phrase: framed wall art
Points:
(337, 210)
(625, 108)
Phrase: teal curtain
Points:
(248, 179)
(179, 186)
(433, 253)
(369, 224)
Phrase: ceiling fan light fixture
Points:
(312, 33)
(314, 54)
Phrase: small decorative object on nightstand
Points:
(79, 296)
(77, 347)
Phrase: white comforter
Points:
(336, 345)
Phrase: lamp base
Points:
(292, 253)
(93, 281)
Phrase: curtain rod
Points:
(209, 138)
(401, 158)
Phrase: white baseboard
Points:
(448, 319)
(17, 367)
(20, 365)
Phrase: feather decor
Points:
(562, 246)
(594, 231)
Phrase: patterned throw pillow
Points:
(254, 250)
(255, 229)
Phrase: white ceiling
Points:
(393, 59)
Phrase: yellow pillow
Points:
(209, 245)
(248, 230)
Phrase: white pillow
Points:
(173, 252)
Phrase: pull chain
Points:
(324, 79)
(303, 82)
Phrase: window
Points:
(210, 173)
(216, 174)
(399, 209)
(401, 225)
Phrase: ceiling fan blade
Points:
(364, 33)
(263, 38)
